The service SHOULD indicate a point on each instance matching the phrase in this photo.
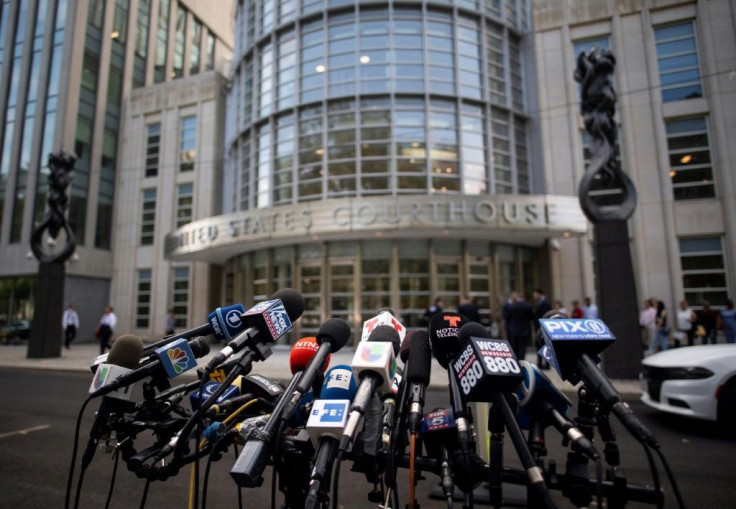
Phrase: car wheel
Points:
(727, 405)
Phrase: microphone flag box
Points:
(270, 313)
(376, 357)
(108, 373)
(484, 365)
(566, 339)
(208, 390)
(176, 357)
(328, 418)
(383, 318)
(259, 385)
(438, 428)
(226, 323)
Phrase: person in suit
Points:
(468, 309)
(541, 307)
(70, 323)
(518, 315)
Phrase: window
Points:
(587, 45)
(180, 295)
(677, 59)
(148, 218)
(188, 143)
(691, 171)
(184, 204)
(143, 299)
(153, 145)
(162, 41)
(209, 57)
(179, 42)
(143, 23)
(703, 271)
(194, 49)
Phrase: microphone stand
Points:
(495, 471)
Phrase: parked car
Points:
(15, 330)
(695, 381)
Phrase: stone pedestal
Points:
(46, 331)
(619, 307)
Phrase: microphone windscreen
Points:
(336, 332)
(420, 367)
(302, 352)
(405, 347)
(292, 300)
(472, 330)
(553, 313)
(339, 383)
(443, 336)
(199, 347)
(126, 351)
(386, 334)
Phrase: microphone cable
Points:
(275, 458)
(654, 471)
(671, 478)
(112, 481)
(74, 454)
(336, 480)
(599, 481)
(145, 492)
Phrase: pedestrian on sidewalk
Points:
(106, 328)
(728, 317)
(70, 324)
(170, 323)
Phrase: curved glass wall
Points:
(361, 100)
(351, 280)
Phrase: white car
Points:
(695, 381)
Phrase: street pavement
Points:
(81, 355)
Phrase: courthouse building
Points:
(382, 154)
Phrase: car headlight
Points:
(690, 373)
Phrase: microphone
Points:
(270, 320)
(418, 371)
(331, 337)
(124, 356)
(374, 365)
(439, 432)
(223, 323)
(572, 345)
(327, 420)
(486, 369)
(540, 400)
(252, 460)
(172, 360)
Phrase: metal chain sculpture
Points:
(593, 72)
(61, 166)
(617, 294)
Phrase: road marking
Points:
(25, 431)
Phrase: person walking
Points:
(577, 311)
(70, 324)
(590, 310)
(559, 307)
(728, 317)
(468, 309)
(434, 309)
(170, 323)
(106, 328)
(685, 319)
(518, 316)
(541, 307)
(648, 323)
(708, 318)
(661, 337)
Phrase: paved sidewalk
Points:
(80, 356)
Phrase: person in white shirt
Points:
(648, 323)
(70, 324)
(686, 317)
(590, 310)
(106, 328)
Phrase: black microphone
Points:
(223, 323)
(331, 337)
(374, 365)
(541, 401)
(124, 356)
(172, 361)
(486, 370)
(266, 321)
(572, 346)
(417, 375)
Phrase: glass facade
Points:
(351, 280)
(378, 100)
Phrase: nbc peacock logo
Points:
(179, 359)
